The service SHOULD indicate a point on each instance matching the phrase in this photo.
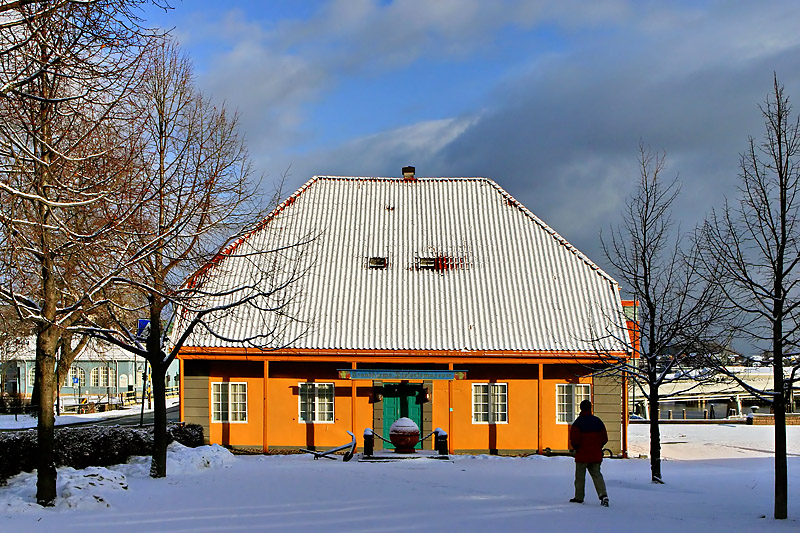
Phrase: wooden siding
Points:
(608, 406)
(195, 396)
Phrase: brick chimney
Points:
(408, 174)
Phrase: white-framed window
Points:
(568, 401)
(31, 375)
(75, 372)
(316, 402)
(103, 376)
(489, 403)
(229, 402)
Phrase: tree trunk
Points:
(67, 354)
(655, 437)
(778, 403)
(45, 456)
(781, 476)
(158, 370)
(158, 464)
(779, 411)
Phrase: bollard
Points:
(369, 442)
(684, 414)
(440, 442)
(669, 414)
(705, 414)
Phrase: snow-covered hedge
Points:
(80, 447)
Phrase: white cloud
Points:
(270, 89)
(560, 135)
(381, 154)
(274, 74)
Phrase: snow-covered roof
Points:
(95, 350)
(423, 264)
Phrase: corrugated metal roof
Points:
(501, 279)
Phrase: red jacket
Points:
(587, 436)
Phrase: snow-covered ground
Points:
(720, 441)
(718, 478)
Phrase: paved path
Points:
(133, 420)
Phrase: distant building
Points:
(701, 393)
(100, 373)
(444, 300)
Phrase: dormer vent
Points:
(378, 262)
(408, 173)
(428, 263)
(440, 263)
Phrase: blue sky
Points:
(549, 99)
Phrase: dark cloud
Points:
(560, 133)
(568, 150)
(562, 137)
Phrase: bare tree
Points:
(108, 18)
(65, 153)
(672, 299)
(201, 192)
(754, 247)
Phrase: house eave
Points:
(401, 356)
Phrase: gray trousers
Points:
(597, 479)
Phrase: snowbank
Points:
(95, 487)
(181, 460)
(208, 489)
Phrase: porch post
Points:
(539, 383)
(265, 443)
(625, 408)
(451, 438)
(353, 401)
(181, 388)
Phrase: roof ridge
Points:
(400, 178)
(228, 250)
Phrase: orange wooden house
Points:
(441, 299)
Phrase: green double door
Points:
(401, 400)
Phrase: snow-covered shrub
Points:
(80, 447)
(101, 445)
(190, 435)
(17, 451)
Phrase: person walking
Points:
(587, 437)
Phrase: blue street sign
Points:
(143, 328)
(74, 381)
